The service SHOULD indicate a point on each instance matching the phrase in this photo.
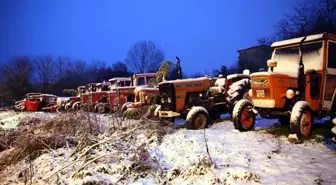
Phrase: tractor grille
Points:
(167, 97)
(261, 93)
(260, 82)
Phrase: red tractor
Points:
(36, 102)
(117, 91)
(85, 103)
(122, 91)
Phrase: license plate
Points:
(260, 93)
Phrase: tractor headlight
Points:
(169, 100)
(250, 93)
(290, 94)
(162, 100)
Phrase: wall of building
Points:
(254, 58)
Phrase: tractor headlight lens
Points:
(250, 93)
(162, 100)
(290, 94)
(169, 100)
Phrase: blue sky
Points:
(204, 33)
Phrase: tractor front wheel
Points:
(197, 118)
(243, 117)
(301, 120)
(101, 109)
(124, 107)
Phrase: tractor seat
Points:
(220, 82)
(216, 90)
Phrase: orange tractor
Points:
(200, 100)
(298, 86)
(143, 92)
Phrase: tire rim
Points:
(305, 123)
(101, 109)
(246, 118)
(200, 121)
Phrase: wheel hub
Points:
(200, 121)
(305, 123)
(246, 118)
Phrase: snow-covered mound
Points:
(150, 152)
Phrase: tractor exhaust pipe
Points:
(301, 75)
(179, 69)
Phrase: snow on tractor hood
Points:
(145, 88)
(185, 80)
(270, 73)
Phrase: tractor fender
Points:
(75, 105)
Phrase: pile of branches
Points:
(126, 145)
(33, 138)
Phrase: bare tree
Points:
(144, 56)
(46, 74)
(309, 17)
(16, 76)
(119, 67)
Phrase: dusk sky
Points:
(206, 32)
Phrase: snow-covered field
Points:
(217, 155)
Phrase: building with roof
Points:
(254, 58)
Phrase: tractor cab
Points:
(145, 89)
(143, 79)
(119, 82)
(103, 86)
(91, 87)
(81, 90)
(298, 86)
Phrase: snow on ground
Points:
(255, 157)
(10, 119)
(239, 156)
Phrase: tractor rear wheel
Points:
(237, 91)
(197, 118)
(301, 120)
(101, 108)
(243, 117)
(67, 107)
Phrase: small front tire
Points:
(301, 120)
(243, 117)
(197, 118)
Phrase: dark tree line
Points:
(47, 74)
(50, 74)
(308, 17)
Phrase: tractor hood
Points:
(192, 82)
(145, 88)
(274, 79)
(274, 74)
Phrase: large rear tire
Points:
(243, 117)
(197, 118)
(237, 91)
(301, 120)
